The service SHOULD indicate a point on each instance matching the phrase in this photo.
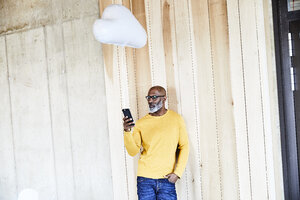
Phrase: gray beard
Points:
(156, 107)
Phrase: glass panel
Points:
(293, 5)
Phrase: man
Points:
(160, 133)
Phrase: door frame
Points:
(281, 20)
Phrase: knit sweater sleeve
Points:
(183, 146)
(132, 141)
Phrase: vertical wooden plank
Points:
(117, 91)
(123, 62)
(172, 76)
(107, 49)
(187, 70)
(129, 57)
(239, 98)
(223, 99)
(87, 104)
(155, 42)
(265, 97)
(263, 33)
(210, 168)
(8, 176)
(30, 113)
(62, 135)
(132, 162)
(124, 98)
(253, 101)
(169, 41)
(272, 90)
(114, 106)
(142, 62)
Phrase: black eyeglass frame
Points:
(154, 97)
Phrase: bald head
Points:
(156, 100)
(158, 88)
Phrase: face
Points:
(155, 104)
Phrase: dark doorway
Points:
(294, 47)
(287, 47)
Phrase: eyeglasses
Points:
(154, 97)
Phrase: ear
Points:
(165, 98)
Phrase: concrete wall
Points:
(60, 119)
(215, 58)
(53, 113)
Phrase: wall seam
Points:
(245, 98)
(50, 112)
(69, 113)
(150, 42)
(235, 139)
(261, 100)
(134, 68)
(178, 74)
(194, 91)
(121, 98)
(135, 81)
(11, 117)
(215, 101)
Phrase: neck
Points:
(160, 112)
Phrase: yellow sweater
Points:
(160, 136)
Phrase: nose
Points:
(150, 100)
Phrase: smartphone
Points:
(127, 113)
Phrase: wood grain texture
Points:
(223, 99)
(115, 80)
(187, 70)
(118, 74)
(153, 11)
(206, 84)
(61, 120)
(169, 49)
(265, 96)
(132, 104)
(272, 91)
(208, 54)
(254, 101)
(107, 49)
(122, 74)
(142, 61)
(239, 99)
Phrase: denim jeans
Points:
(155, 189)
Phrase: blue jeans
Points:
(155, 189)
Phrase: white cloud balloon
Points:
(118, 26)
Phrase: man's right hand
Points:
(127, 125)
